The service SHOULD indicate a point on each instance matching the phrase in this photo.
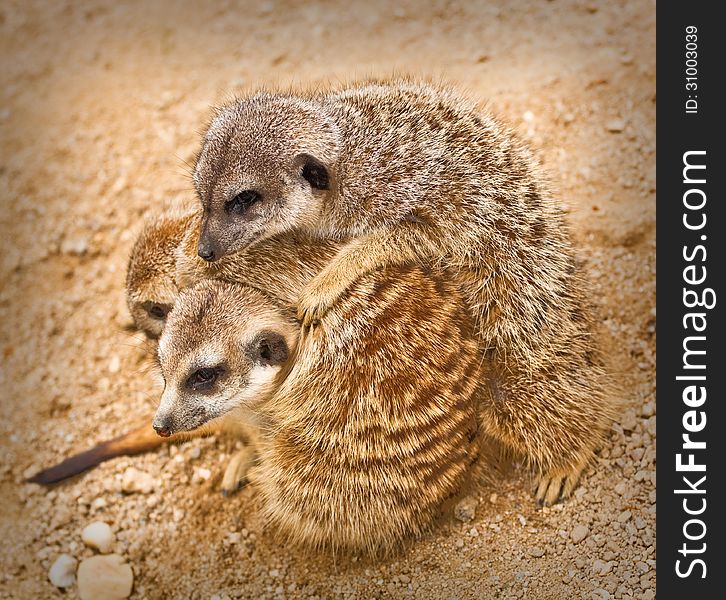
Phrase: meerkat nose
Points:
(206, 253)
(162, 430)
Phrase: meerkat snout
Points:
(206, 250)
(221, 351)
(162, 426)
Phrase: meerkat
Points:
(407, 171)
(366, 424)
(164, 261)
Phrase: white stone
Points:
(105, 578)
(137, 481)
(98, 535)
(77, 246)
(98, 503)
(114, 365)
(62, 573)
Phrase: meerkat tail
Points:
(138, 440)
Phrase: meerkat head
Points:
(151, 288)
(265, 167)
(221, 351)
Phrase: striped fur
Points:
(419, 173)
(372, 425)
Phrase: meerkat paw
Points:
(236, 471)
(316, 299)
(555, 486)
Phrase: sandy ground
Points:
(101, 105)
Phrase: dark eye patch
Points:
(157, 310)
(204, 379)
(242, 201)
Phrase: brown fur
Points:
(164, 261)
(370, 423)
(413, 172)
(151, 287)
(279, 267)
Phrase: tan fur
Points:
(151, 287)
(370, 423)
(414, 172)
(164, 261)
(279, 267)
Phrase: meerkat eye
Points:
(159, 311)
(203, 379)
(156, 310)
(242, 201)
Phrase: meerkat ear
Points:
(313, 171)
(271, 349)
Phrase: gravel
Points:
(465, 510)
(579, 533)
(137, 481)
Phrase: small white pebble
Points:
(114, 365)
(98, 503)
(62, 573)
(98, 535)
(137, 481)
(579, 533)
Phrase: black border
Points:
(679, 132)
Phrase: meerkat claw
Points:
(553, 488)
(548, 491)
(236, 471)
(311, 315)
